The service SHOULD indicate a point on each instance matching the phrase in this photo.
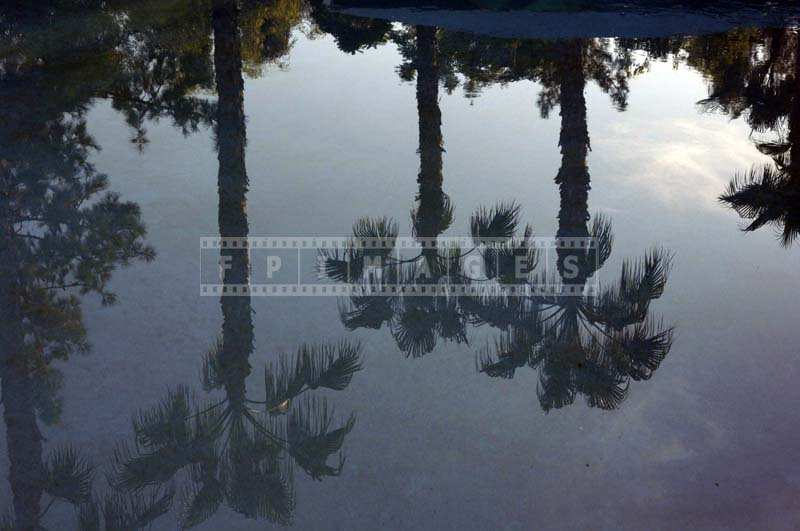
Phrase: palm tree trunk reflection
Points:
(232, 183)
(432, 213)
(573, 176)
(582, 344)
(231, 450)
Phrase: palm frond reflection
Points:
(582, 343)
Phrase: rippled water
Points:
(666, 400)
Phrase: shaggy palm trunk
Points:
(432, 200)
(430, 116)
(232, 183)
(561, 372)
(573, 182)
(573, 175)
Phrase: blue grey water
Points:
(708, 439)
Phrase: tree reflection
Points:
(752, 73)
(162, 67)
(585, 344)
(233, 450)
(580, 342)
(352, 34)
(63, 234)
(415, 322)
(767, 93)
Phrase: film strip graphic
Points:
(292, 266)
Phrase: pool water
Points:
(665, 399)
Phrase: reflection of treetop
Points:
(151, 59)
(766, 89)
(62, 235)
(230, 450)
(477, 62)
(586, 343)
(581, 343)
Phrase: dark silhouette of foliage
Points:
(582, 343)
(62, 235)
(768, 95)
(233, 451)
(352, 34)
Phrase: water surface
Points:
(130, 132)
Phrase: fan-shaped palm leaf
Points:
(366, 312)
(556, 387)
(121, 511)
(510, 352)
(628, 301)
(330, 366)
(280, 382)
(312, 441)
(158, 464)
(602, 243)
(451, 323)
(384, 229)
(68, 476)
(767, 196)
(414, 329)
(757, 195)
(602, 386)
(496, 224)
(203, 496)
(135, 471)
(374, 239)
(511, 262)
(342, 265)
(259, 488)
(167, 423)
(640, 351)
(210, 375)
(645, 279)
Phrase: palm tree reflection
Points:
(770, 194)
(415, 322)
(421, 319)
(588, 344)
(231, 450)
(580, 342)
